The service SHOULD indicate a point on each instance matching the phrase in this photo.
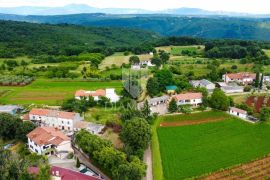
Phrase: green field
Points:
(50, 92)
(102, 115)
(189, 151)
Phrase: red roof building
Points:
(64, 174)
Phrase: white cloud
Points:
(250, 6)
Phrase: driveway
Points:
(148, 161)
(161, 109)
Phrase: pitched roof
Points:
(47, 135)
(53, 113)
(187, 96)
(241, 75)
(203, 82)
(158, 99)
(65, 174)
(238, 110)
(82, 93)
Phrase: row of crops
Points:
(13, 80)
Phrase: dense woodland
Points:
(167, 25)
(17, 39)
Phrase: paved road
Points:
(148, 160)
(86, 161)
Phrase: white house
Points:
(193, 99)
(10, 109)
(49, 141)
(243, 77)
(147, 63)
(266, 79)
(109, 93)
(203, 83)
(238, 112)
(53, 118)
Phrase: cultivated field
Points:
(189, 150)
(50, 92)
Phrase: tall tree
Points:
(219, 100)
(136, 134)
(152, 87)
(257, 80)
(173, 106)
(134, 60)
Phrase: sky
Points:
(247, 6)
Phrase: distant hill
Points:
(35, 39)
(83, 8)
(167, 25)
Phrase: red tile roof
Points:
(65, 174)
(47, 135)
(82, 93)
(241, 75)
(238, 110)
(53, 113)
(188, 96)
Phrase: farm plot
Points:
(50, 92)
(258, 169)
(258, 102)
(194, 150)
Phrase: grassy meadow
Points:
(50, 92)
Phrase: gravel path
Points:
(148, 160)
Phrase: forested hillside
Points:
(20, 38)
(168, 25)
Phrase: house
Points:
(109, 93)
(193, 99)
(49, 141)
(10, 109)
(158, 100)
(266, 79)
(243, 77)
(203, 83)
(91, 127)
(58, 173)
(171, 89)
(146, 63)
(230, 88)
(238, 112)
(54, 118)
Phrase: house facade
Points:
(203, 83)
(193, 99)
(238, 112)
(53, 118)
(109, 93)
(10, 109)
(243, 77)
(49, 141)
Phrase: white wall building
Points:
(243, 78)
(53, 118)
(194, 99)
(49, 141)
(109, 93)
(238, 112)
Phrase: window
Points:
(36, 151)
(62, 122)
(68, 122)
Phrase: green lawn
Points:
(50, 92)
(189, 151)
